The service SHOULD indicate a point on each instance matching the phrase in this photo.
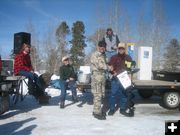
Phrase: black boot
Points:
(62, 104)
(99, 116)
(127, 112)
(130, 105)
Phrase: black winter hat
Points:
(109, 29)
(102, 44)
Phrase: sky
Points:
(15, 14)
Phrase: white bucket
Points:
(84, 78)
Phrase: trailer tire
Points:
(171, 100)
(145, 93)
(4, 104)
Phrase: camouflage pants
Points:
(98, 91)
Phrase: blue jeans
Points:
(55, 84)
(117, 90)
(63, 85)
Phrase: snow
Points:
(28, 117)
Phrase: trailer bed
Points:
(156, 84)
(145, 84)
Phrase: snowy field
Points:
(28, 117)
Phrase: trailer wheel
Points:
(171, 100)
(145, 93)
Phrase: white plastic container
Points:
(84, 78)
(84, 75)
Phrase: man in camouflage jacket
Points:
(98, 66)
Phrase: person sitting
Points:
(23, 67)
(67, 79)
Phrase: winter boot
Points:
(62, 104)
(130, 105)
(127, 112)
(99, 116)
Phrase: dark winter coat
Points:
(66, 72)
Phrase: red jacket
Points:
(22, 61)
(118, 62)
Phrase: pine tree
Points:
(61, 33)
(78, 44)
(172, 56)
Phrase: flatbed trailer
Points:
(156, 84)
(167, 91)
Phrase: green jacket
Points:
(67, 71)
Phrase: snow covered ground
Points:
(28, 117)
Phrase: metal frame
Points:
(17, 88)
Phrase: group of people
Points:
(37, 84)
(109, 57)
